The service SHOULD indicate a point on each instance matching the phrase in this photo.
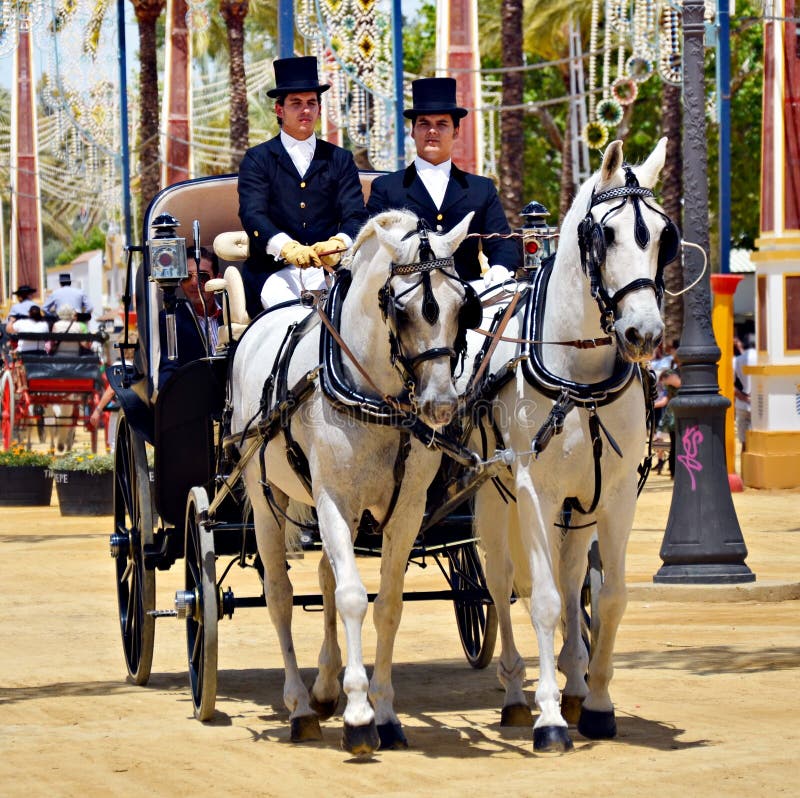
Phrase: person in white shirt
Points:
(33, 323)
(742, 386)
(300, 198)
(439, 192)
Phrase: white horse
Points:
(583, 396)
(391, 314)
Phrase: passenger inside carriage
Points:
(197, 318)
(34, 322)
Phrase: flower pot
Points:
(25, 486)
(83, 493)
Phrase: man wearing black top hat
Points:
(20, 310)
(300, 198)
(441, 193)
(68, 294)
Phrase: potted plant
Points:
(84, 483)
(25, 478)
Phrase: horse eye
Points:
(608, 233)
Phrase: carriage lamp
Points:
(167, 252)
(538, 237)
(167, 258)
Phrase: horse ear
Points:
(612, 163)
(385, 238)
(458, 233)
(649, 171)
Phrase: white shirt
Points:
(434, 177)
(301, 152)
(31, 326)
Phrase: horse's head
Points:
(625, 242)
(426, 307)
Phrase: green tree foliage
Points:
(96, 239)
(419, 41)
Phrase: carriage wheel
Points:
(201, 605)
(133, 530)
(7, 409)
(476, 620)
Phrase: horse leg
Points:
(614, 522)
(574, 656)
(387, 612)
(278, 593)
(492, 519)
(360, 736)
(325, 692)
(550, 732)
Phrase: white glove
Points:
(496, 275)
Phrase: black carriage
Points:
(178, 496)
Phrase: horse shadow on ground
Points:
(451, 694)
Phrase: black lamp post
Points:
(703, 542)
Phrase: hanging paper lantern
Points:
(624, 90)
(609, 112)
(595, 134)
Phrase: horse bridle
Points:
(594, 238)
(470, 314)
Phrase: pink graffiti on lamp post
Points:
(691, 440)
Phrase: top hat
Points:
(65, 278)
(24, 290)
(294, 75)
(434, 96)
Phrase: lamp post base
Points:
(704, 574)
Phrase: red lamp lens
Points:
(531, 247)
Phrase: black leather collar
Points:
(537, 375)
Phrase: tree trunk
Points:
(671, 194)
(234, 12)
(512, 139)
(147, 14)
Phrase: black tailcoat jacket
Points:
(273, 198)
(465, 192)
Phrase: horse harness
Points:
(279, 401)
(594, 238)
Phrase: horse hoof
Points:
(516, 715)
(571, 708)
(597, 725)
(305, 728)
(324, 709)
(551, 740)
(392, 737)
(360, 740)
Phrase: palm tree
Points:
(147, 14)
(512, 137)
(234, 12)
(671, 194)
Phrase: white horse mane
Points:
(385, 220)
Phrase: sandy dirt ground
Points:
(705, 685)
